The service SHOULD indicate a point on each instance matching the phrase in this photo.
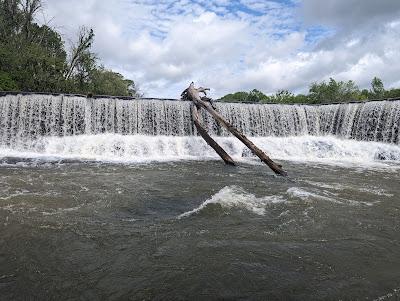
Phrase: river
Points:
(119, 216)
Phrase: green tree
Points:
(364, 94)
(256, 96)
(29, 9)
(377, 88)
(392, 93)
(301, 98)
(112, 83)
(283, 96)
(33, 57)
(85, 76)
(7, 83)
(10, 19)
(323, 92)
(235, 97)
(252, 96)
(333, 91)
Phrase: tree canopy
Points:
(323, 92)
(33, 57)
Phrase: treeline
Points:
(323, 92)
(34, 58)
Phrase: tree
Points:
(10, 19)
(333, 91)
(83, 75)
(235, 97)
(282, 96)
(29, 9)
(378, 90)
(33, 56)
(252, 96)
(82, 60)
(392, 93)
(7, 83)
(256, 96)
(364, 95)
(323, 92)
(301, 98)
(112, 83)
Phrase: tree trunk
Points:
(194, 95)
(210, 141)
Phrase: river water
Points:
(198, 229)
(107, 199)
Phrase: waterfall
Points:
(26, 117)
(142, 130)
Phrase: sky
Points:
(237, 45)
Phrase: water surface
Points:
(74, 230)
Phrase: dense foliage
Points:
(323, 92)
(33, 57)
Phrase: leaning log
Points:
(210, 141)
(193, 94)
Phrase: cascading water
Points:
(108, 128)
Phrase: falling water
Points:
(29, 116)
(151, 129)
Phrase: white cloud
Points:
(233, 46)
(350, 14)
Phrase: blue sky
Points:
(239, 44)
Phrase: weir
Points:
(25, 117)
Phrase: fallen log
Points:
(210, 141)
(193, 94)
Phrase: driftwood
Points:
(193, 94)
(210, 141)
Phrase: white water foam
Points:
(296, 192)
(139, 148)
(234, 197)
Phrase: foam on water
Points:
(305, 195)
(235, 197)
(139, 148)
(231, 197)
(52, 128)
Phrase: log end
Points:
(230, 163)
(283, 173)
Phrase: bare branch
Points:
(85, 41)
